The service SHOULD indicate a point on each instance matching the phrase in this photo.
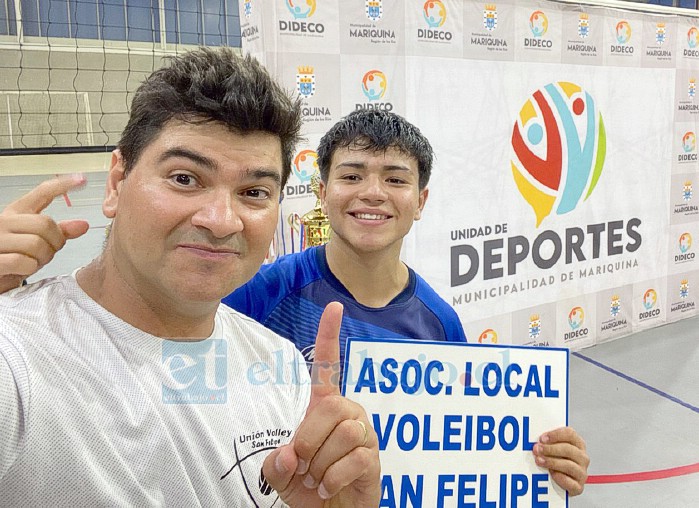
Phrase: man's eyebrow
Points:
(197, 158)
(262, 173)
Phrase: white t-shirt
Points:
(95, 412)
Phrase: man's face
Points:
(194, 217)
(372, 198)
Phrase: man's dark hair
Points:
(212, 85)
(374, 130)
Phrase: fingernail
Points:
(78, 177)
(279, 465)
(540, 460)
(545, 438)
(302, 467)
(322, 493)
(309, 482)
(538, 449)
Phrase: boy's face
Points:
(195, 216)
(372, 198)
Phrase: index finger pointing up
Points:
(36, 200)
(327, 354)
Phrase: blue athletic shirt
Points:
(289, 296)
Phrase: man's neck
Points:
(373, 279)
(103, 283)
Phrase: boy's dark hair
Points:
(374, 130)
(212, 85)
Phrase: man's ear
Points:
(321, 194)
(422, 199)
(114, 180)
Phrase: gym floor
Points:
(636, 403)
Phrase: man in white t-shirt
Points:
(126, 383)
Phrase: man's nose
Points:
(219, 213)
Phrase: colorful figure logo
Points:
(687, 190)
(692, 90)
(488, 336)
(306, 81)
(534, 326)
(693, 37)
(650, 297)
(538, 23)
(684, 288)
(685, 242)
(689, 142)
(490, 17)
(301, 9)
(435, 13)
(558, 123)
(615, 307)
(373, 9)
(247, 8)
(305, 165)
(374, 85)
(623, 32)
(583, 25)
(576, 317)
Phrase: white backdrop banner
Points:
(562, 208)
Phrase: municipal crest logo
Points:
(615, 307)
(660, 33)
(692, 90)
(247, 8)
(684, 288)
(490, 17)
(534, 326)
(306, 81)
(374, 9)
(687, 190)
(583, 25)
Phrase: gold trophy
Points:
(316, 228)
